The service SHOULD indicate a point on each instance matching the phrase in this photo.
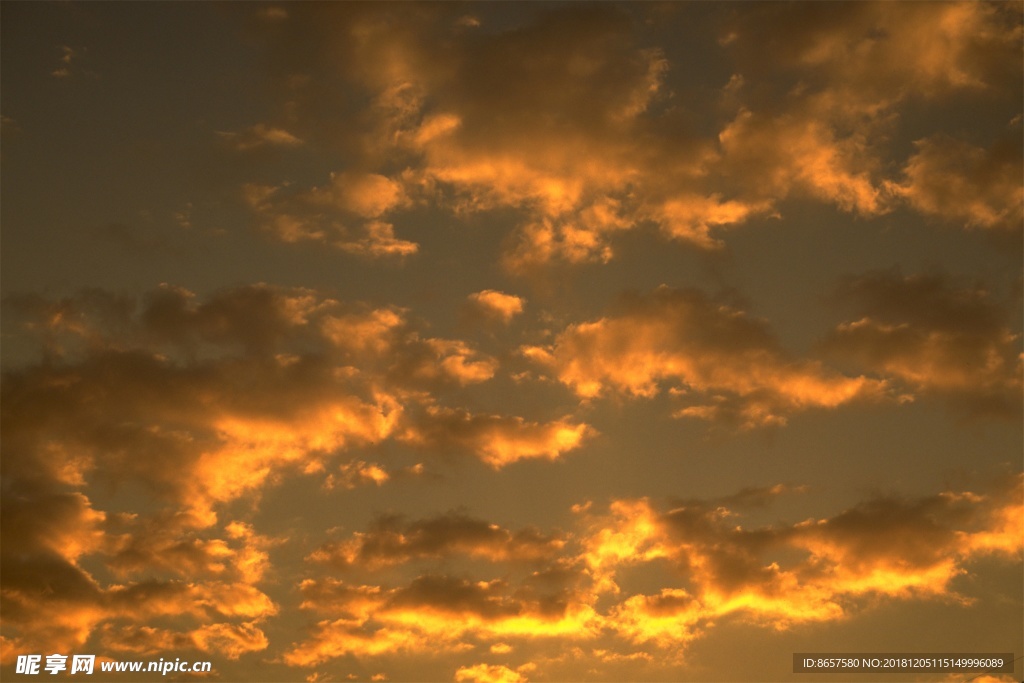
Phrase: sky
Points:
(509, 342)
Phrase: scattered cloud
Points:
(726, 364)
(956, 181)
(877, 53)
(63, 70)
(259, 135)
(584, 140)
(151, 440)
(326, 213)
(489, 673)
(491, 304)
(202, 402)
(357, 473)
(775, 576)
(498, 440)
(936, 336)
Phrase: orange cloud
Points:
(254, 383)
(379, 241)
(839, 78)
(580, 167)
(323, 214)
(775, 576)
(799, 152)
(230, 640)
(885, 547)
(434, 612)
(492, 304)
(342, 637)
(584, 139)
(881, 52)
(385, 341)
(707, 349)
(498, 440)
(957, 181)
(691, 218)
(369, 195)
(258, 136)
(489, 673)
(357, 473)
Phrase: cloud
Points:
(226, 639)
(491, 304)
(691, 218)
(569, 142)
(710, 569)
(432, 612)
(722, 361)
(68, 56)
(379, 242)
(369, 195)
(817, 570)
(957, 181)
(828, 89)
(392, 540)
(589, 137)
(199, 441)
(497, 439)
(576, 141)
(264, 321)
(51, 603)
(489, 673)
(326, 213)
(255, 381)
(230, 640)
(775, 155)
(357, 473)
(200, 402)
(258, 136)
(341, 637)
(878, 52)
(935, 335)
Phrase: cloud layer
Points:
(529, 587)
(412, 402)
(587, 137)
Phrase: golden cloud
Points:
(708, 349)
(840, 77)
(498, 440)
(203, 402)
(431, 612)
(954, 180)
(586, 138)
(798, 151)
(495, 305)
(776, 576)
(323, 214)
(488, 673)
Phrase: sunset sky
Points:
(509, 342)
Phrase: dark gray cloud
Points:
(394, 540)
(935, 335)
